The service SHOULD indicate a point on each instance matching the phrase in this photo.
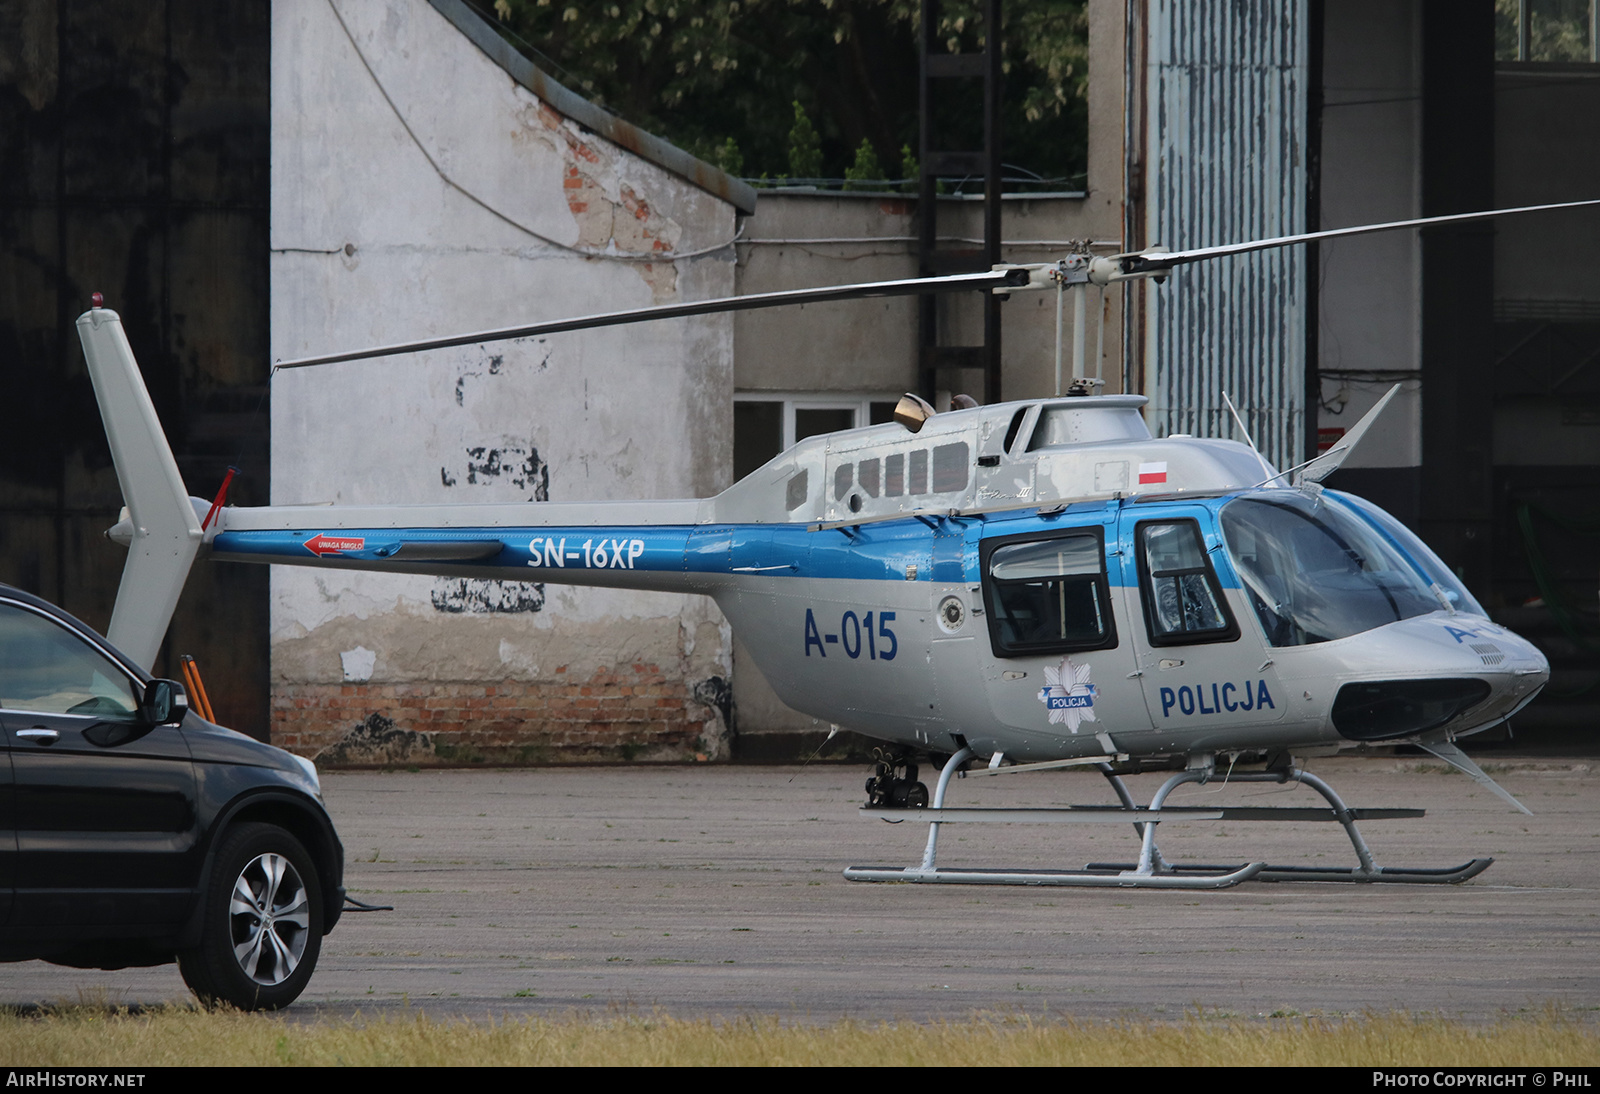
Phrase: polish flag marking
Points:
(1152, 472)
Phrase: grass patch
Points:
(183, 1036)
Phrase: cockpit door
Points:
(1202, 666)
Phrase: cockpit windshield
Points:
(1315, 571)
(1418, 552)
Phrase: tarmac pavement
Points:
(717, 891)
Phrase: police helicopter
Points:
(1005, 588)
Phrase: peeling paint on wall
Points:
(521, 467)
(476, 594)
(486, 465)
(474, 206)
(611, 215)
(376, 740)
(358, 664)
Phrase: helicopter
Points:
(1003, 588)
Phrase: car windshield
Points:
(1314, 571)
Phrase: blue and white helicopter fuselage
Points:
(1038, 583)
(1034, 596)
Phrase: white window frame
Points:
(814, 400)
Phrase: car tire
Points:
(261, 925)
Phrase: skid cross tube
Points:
(951, 766)
(1368, 871)
(1152, 871)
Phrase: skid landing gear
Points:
(1152, 871)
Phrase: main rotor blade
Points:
(1140, 262)
(989, 279)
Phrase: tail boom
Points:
(673, 558)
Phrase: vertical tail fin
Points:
(166, 531)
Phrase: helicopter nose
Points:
(1439, 672)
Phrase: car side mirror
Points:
(165, 703)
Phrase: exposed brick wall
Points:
(626, 712)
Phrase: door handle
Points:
(39, 735)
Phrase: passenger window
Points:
(868, 474)
(795, 491)
(894, 475)
(1183, 600)
(950, 468)
(917, 472)
(1049, 595)
(46, 668)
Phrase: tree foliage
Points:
(703, 73)
(805, 147)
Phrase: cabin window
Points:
(1048, 595)
(843, 477)
(1183, 602)
(917, 472)
(795, 492)
(894, 475)
(903, 474)
(867, 473)
(950, 463)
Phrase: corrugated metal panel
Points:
(1227, 94)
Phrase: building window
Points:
(767, 424)
(1546, 31)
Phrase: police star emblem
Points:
(1068, 695)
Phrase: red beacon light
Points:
(97, 300)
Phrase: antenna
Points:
(1265, 466)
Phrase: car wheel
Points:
(261, 922)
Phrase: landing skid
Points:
(1094, 876)
(1152, 871)
(1443, 875)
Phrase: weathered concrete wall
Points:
(416, 190)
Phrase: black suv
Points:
(133, 832)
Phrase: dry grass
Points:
(180, 1036)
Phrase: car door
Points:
(106, 827)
